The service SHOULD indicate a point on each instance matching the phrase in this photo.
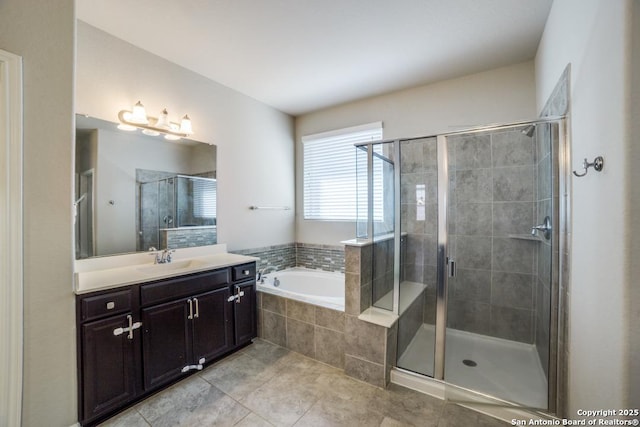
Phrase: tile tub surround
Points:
(370, 349)
(267, 385)
(318, 257)
(279, 256)
(314, 331)
(364, 350)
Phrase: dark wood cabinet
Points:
(132, 341)
(213, 326)
(183, 335)
(110, 366)
(164, 343)
(245, 313)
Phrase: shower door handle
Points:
(451, 266)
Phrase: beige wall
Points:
(255, 142)
(43, 34)
(502, 95)
(594, 35)
(633, 178)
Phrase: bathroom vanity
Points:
(142, 327)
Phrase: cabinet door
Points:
(245, 313)
(212, 324)
(165, 342)
(108, 366)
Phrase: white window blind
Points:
(329, 168)
(204, 198)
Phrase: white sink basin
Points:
(171, 266)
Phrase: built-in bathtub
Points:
(316, 287)
(304, 313)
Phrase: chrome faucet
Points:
(264, 271)
(166, 256)
(163, 257)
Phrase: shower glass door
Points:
(478, 277)
(418, 227)
(497, 326)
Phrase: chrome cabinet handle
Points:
(190, 317)
(246, 272)
(195, 316)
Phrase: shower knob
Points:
(545, 228)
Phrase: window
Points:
(330, 172)
(204, 198)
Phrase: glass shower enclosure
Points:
(465, 253)
(178, 203)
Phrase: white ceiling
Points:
(303, 55)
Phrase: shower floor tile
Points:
(505, 369)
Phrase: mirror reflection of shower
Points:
(83, 215)
(176, 211)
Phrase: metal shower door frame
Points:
(560, 212)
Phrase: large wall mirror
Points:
(134, 191)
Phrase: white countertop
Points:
(96, 274)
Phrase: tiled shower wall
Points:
(151, 197)
(319, 257)
(492, 203)
(493, 193)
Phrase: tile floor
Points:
(267, 385)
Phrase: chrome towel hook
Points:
(598, 164)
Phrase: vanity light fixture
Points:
(137, 119)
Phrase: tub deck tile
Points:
(301, 311)
(330, 319)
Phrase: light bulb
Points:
(163, 120)
(139, 115)
(185, 125)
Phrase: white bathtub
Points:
(316, 287)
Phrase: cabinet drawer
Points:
(244, 271)
(184, 286)
(97, 306)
